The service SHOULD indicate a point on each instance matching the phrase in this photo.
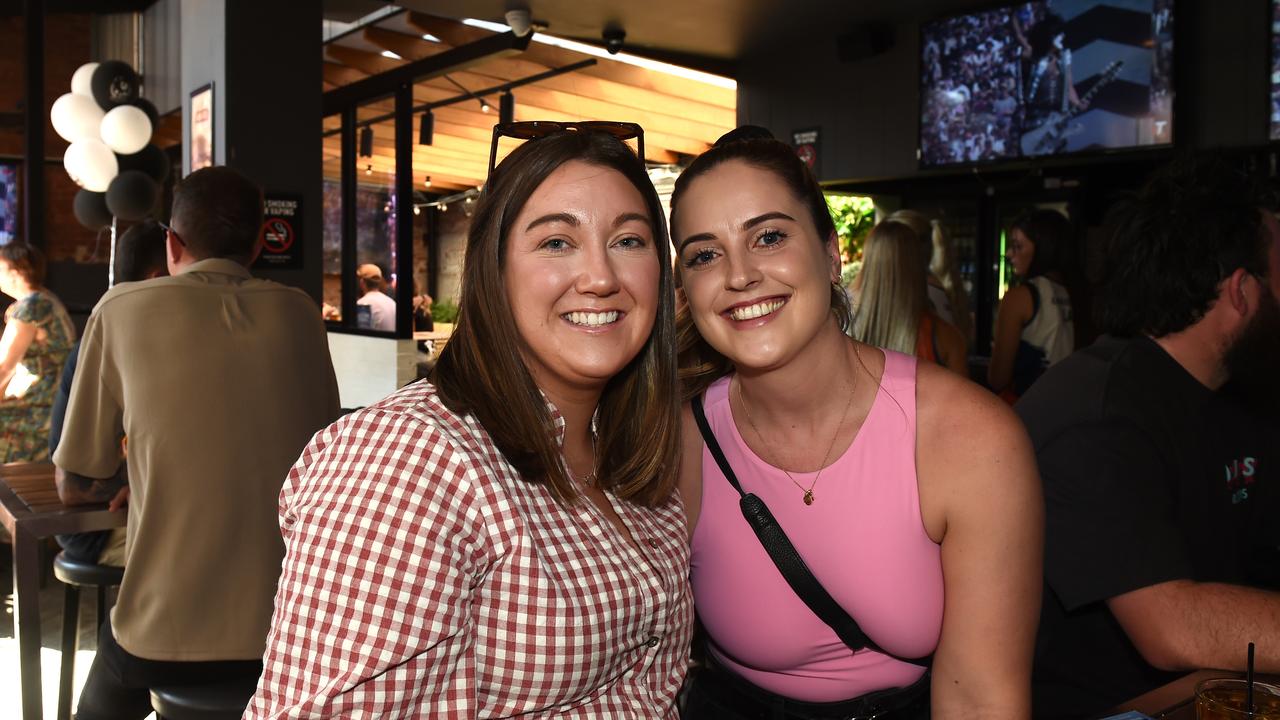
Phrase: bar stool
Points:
(217, 701)
(74, 575)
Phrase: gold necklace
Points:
(808, 492)
(587, 479)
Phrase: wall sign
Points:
(806, 145)
(281, 228)
(200, 139)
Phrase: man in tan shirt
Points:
(218, 380)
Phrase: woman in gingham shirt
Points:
(505, 540)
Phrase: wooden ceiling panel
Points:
(681, 116)
(456, 33)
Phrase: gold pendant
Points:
(808, 497)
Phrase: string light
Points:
(427, 182)
(368, 169)
(484, 106)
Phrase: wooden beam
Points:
(409, 47)
(456, 33)
(500, 71)
(367, 63)
(341, 74)
(660, 143)
(457, 58)
(585, 106)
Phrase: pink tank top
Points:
(863, 538)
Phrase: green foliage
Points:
(444, 311)
(854, 216)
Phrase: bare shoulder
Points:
(690, 483)
(954, 411)
(1017, 300)
(970, 446)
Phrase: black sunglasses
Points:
(170, 231)
(535, 129)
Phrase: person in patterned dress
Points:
(38, 335)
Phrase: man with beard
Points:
(1158, 486)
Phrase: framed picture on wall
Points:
(200, 139)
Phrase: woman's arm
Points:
(384, 542)
(978, 477)
(1013, 314)
(18, 336)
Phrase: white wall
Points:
(370, 368)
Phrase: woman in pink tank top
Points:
(910, 493)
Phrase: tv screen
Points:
(1275, 69)
(1046, 78)
(8, 203)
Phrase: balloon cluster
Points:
(111, 156)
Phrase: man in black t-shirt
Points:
(1159, 488)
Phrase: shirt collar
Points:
(222, 266)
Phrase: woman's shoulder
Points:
(419, 409)
(955, 415)
(409, 444)
(36, 307)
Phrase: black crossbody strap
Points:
(784, 554)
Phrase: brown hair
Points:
(26, 260)
(638, 419)
(701, 364)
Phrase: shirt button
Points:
(653, 543)
(652, 641)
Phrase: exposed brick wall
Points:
(67, 47)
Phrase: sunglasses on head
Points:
(535, 129)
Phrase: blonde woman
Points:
(891, 305)
(946, 290)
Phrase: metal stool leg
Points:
(70, 640)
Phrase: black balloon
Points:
(114, 83)
(149, 108)
(90, 209)
(132, 195)
(150, 160)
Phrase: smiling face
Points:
(581, 273)
(1021, 251)
(755, 274)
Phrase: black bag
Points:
(784, 555)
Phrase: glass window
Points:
(375, 212)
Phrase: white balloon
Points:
(76, 117)
(82, 80)
(91, 164)
(126, 129)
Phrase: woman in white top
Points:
(1035, 322)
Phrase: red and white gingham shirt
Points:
(423, 578)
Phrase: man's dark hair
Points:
(218, 214)
(1193, 223)
(140, 252)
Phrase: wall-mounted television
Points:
(1046, 78)
(1275, 69)
(8, 202)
